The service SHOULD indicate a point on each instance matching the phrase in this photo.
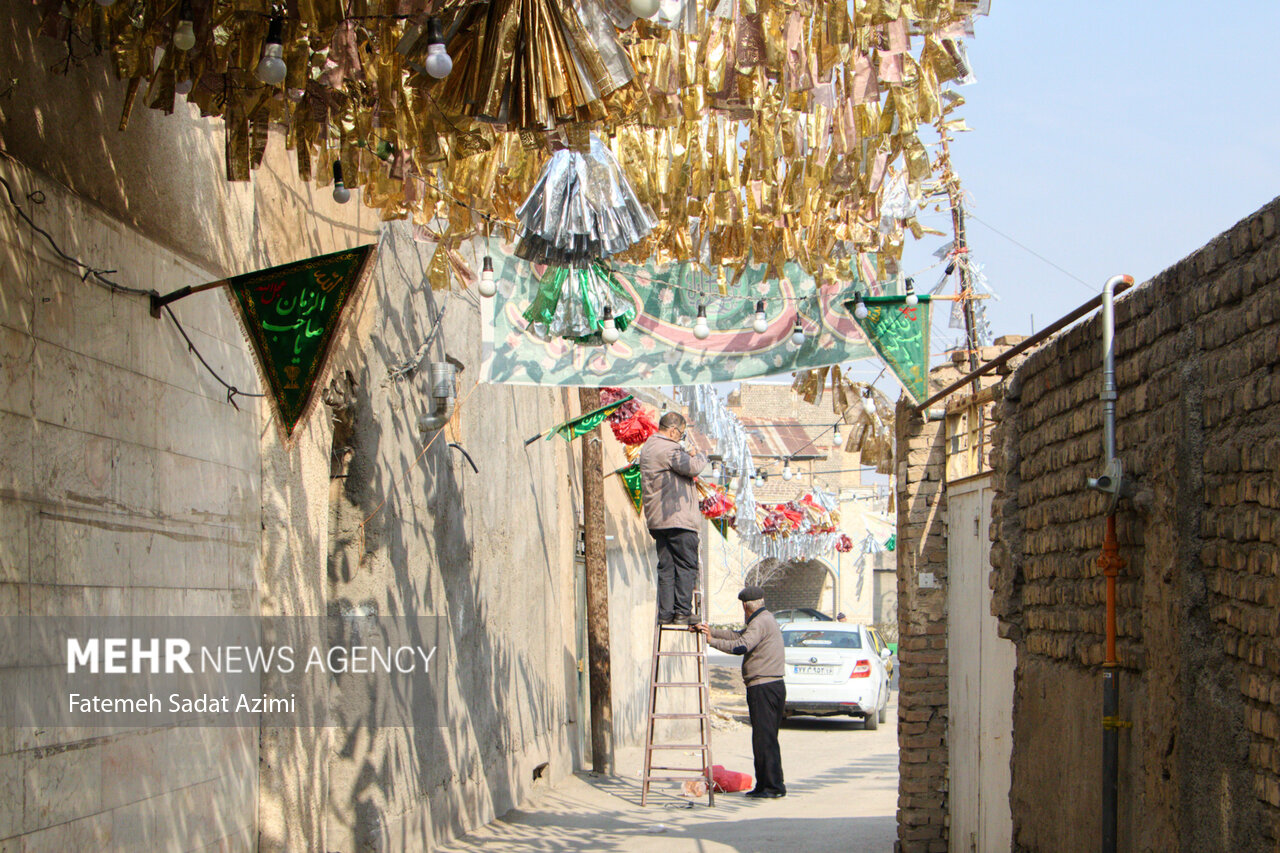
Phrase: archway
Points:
(796, 583)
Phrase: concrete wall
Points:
(1199, 433)
(477, 564)
(129, 486)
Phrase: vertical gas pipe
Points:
(1110, 562)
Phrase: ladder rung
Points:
(678, 716)
(677, 684)
(680, 746)
(679, 654)
(681, 628)
(674, 778)
(701, 770)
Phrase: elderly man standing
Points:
(671, 513)
(760, 643)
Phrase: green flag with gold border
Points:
(630, 477)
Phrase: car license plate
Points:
(806, 669)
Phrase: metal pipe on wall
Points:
(1109, 561)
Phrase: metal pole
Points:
(597, 591)
(957, 224)
(1110, 562)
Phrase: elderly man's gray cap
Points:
(751, 593)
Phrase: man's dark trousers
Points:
(764, 707)
(677, 570)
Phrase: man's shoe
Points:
(667, 620)
(758, 794)
(685, 619)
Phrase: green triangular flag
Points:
(630, 477)
(900, 334)
(291, 314)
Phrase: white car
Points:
(832, 668)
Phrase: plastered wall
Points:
(128, 485)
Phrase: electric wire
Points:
(98, 276)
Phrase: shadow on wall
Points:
(465, 563)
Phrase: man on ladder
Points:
(667, 472)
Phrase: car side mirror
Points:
(885, 653)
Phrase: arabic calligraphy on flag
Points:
(290, 314)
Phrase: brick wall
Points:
(922, 627)
(1199, 434)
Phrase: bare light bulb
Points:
(701, 330)
(860, 308)
(761, 323)
(835, 436)
(183, 86)
(609, 330)
(868, 405)
(911, 298)
(271, 68)
(797, 334)
(645, 8)
(439, 63)
(184, 35)
(787, 473)
(488, 285)
(341, 194)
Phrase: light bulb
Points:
(860, 308)
(715, 469)
(797, 334)
(340, 192)
(488, 286)
(183, 86)
(787, 473)
(439, 63)
(868, 405)
(835, 436)
(609, 331)
(184, 36)
(645, 8)
(761, 323)
(911, 298)
(701, 330)
(271, 68)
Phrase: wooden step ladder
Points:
(672, 634)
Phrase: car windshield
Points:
(822, 639)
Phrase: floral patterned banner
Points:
(659, 347)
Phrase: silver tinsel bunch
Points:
(581, 209)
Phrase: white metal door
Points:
(980, 684)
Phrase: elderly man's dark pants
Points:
(677, 570)
(764, 706)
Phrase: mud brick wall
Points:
(1198, 430)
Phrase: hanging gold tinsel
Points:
(757, 130)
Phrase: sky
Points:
(1107, 138)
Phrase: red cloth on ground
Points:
(730, 781)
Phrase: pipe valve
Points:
(1110, 482)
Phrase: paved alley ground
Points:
(842, 790)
